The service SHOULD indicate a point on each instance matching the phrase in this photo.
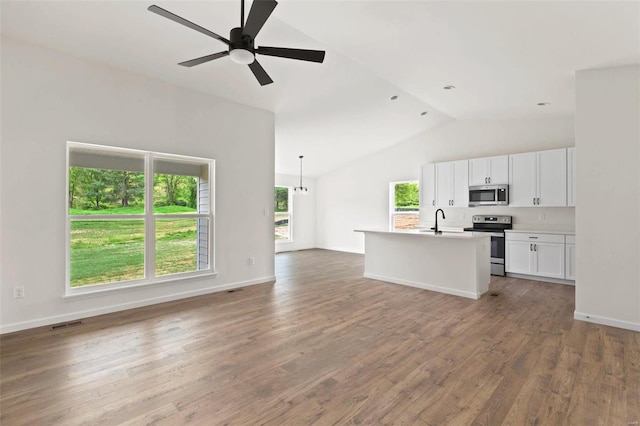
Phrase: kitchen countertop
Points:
(455, 263)
(533, 231)
(459, 235)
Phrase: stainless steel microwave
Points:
(488, 195)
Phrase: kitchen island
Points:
(452, 262)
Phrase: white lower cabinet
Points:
(518, 257)
(540, 255)
(549, 260)
(570, 258)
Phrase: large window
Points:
(136, 217)
(282, 213)
(404, 205)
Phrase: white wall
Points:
(357, 196)
(608, 196)
(49, 98)
(303, 214)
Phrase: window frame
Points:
(289, 213)
(149, 218)
(392, 203)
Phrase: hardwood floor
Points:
(325, 346)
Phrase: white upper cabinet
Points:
(552, 178)
(571, 177)
(460, 183)
(428, 185)
(444, 184)
(538, 179)
(490, 170)
(452, 184)
(522, 179)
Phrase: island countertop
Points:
(459, 235)
(452, 262)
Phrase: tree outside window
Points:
(404, 200)
(282, 213)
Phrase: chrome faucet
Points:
(436, 228)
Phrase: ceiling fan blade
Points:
(260, 73)
(165, 13)
(300, 54)
(258, 15)
(204, 59)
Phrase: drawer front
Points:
(532, 238)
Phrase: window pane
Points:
(105, 251)
(105, 191)
(407, 197)
(282, 218)
(175, 194)
(181, 245)
(282, 228)
(405, 221)
(281, 199)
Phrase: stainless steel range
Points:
(495, 227)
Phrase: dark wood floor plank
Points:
(323, 345)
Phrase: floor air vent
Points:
(65, 325)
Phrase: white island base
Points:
(452, 263)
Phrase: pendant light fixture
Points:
(300, 189)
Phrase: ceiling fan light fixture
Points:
(242, 56)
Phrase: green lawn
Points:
(104, 251)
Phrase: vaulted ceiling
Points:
(503, 57)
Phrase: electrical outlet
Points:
(541, 216)
(18, 292)
(252, 261)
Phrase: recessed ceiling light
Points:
(449, 87)
(394, 97)
(543, 103)
(423, 113)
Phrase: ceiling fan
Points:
(242, 49)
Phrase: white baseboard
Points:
(627, 325)
(72, 316)
(425, 286)
(343, 250)
(543, 279)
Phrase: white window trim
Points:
(392, 202)
(149, 220)
(289, 212)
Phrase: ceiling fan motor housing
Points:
(243, 42)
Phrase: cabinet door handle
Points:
(530, 247)
(489, 179)
(535, 247)
(534, 201)
(485, 180)
(433, 203)
(538, 200)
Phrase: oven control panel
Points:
(492, 219)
